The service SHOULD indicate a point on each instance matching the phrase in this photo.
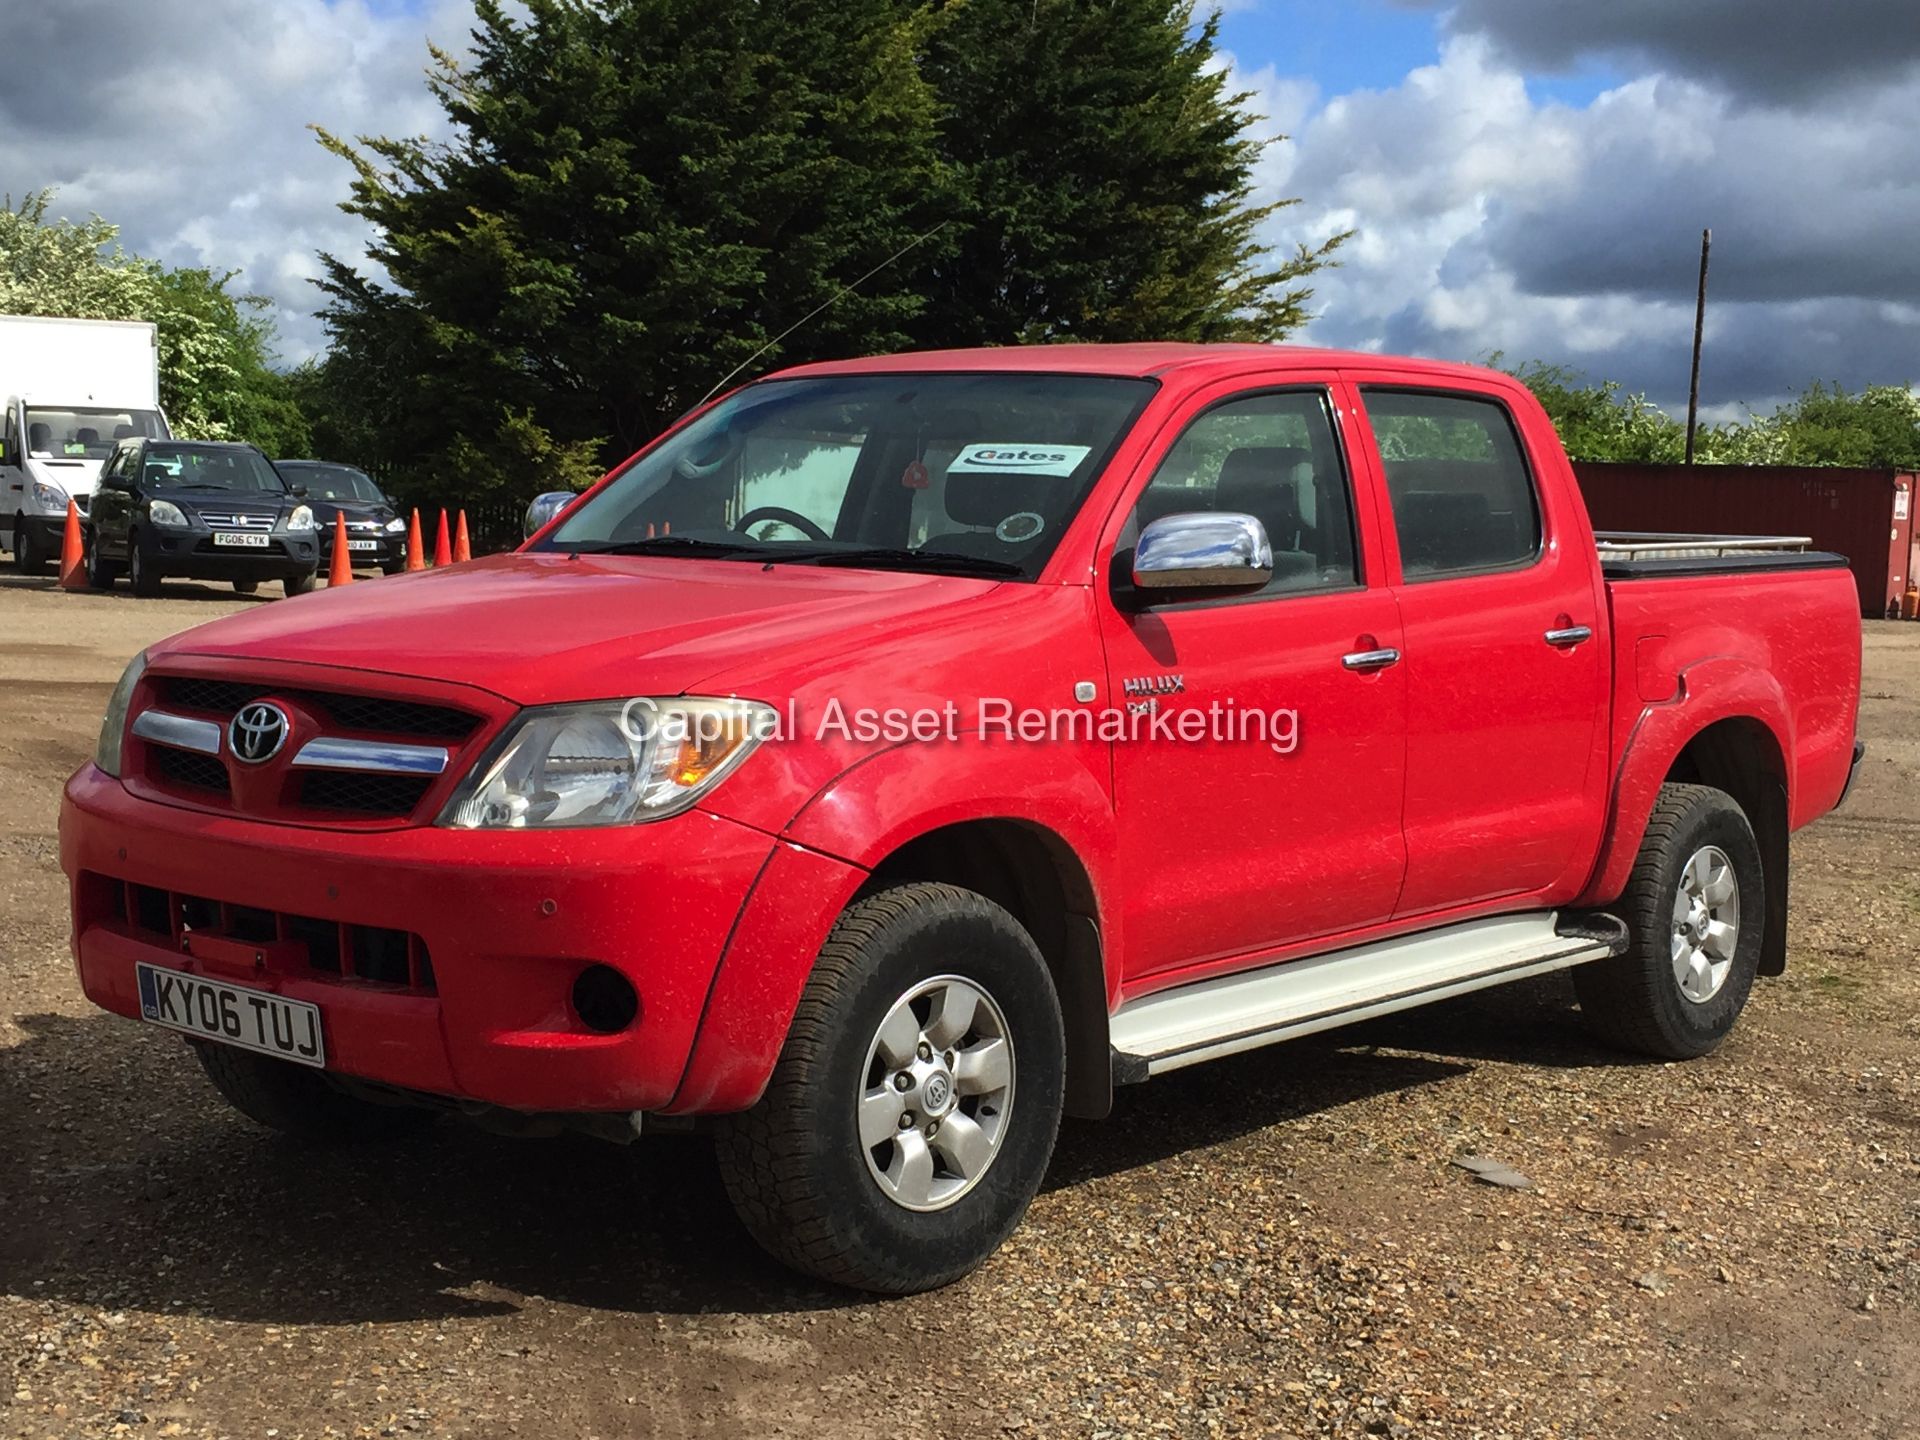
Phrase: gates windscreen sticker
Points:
(1018, 458)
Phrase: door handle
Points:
(1371, 659)
(1567, 638)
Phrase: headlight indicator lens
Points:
(113, 726)
(50, 497)
(301, 518)
(165, 512)
(610, 762)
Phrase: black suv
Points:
(202, 509)
(376, 535)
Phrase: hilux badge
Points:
(1170, 684)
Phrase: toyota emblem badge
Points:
(257, 732)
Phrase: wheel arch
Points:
(1034, 874)
(1744, 758)
(1728, 726)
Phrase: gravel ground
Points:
(1275, 1245)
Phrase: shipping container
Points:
(1865, 515)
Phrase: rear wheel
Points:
(141, 574)
(914, 1108)
(1695, 907)
(298, 1101)
(299, 584)
(101, 572)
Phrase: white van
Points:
(73, 389)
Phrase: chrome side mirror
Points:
(1212, 550)
(543, 509)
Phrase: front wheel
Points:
(245, 587)
(911, 1116)
(299, 584)
(29, 555)
(1696, 910)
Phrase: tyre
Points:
(1695, 909)
(298, 1101)
(245, 587)
(29, 555)
(914, 1107)
(101, 572)
(141, 574)
(300, 585)
(392, 567)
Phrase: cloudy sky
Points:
(1526, 176)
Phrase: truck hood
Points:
(546, 628)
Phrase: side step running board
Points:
(1231, 1013)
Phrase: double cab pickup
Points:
(900, 754)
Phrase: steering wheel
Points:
(784, 516)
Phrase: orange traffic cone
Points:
(442, 552)
(416, 548)
(342, 571)
(462, 547)
(73, 553)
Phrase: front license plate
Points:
(363, 544)
(232, 1014)
(236, 537)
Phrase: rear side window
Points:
(1463, 500)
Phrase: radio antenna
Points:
(825, 304)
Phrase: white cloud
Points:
(1490, 219)
(188, 127)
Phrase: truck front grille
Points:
(201, 769)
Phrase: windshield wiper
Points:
(892, 557)
(679, 545)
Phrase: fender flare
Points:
(830, 848)
(1707, 692)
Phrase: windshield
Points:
(210, 467)
(338, 484)
(946, 472)
(84, 434)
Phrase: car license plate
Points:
(232, 1014)
(363, 544)
(236, 537)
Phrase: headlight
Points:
(113, 726)
(301, 518)
(165, 512)
(396, 526)
(50, 497)
(609, 762)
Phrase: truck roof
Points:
(1153, 358)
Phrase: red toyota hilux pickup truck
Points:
(902, 753)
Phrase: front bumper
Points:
(508, 920)
(389, 551)
(189, 554)
(49, 531)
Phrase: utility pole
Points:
(1699, 326)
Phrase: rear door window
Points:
(1463, 499)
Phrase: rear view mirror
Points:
(297, 490)
(1204, 550)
